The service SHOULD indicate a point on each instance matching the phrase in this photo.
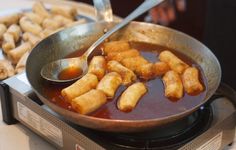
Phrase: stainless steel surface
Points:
(51, 71)
(78, 37)
(224, 121)
(24, 96)
(103, 10)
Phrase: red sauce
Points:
(70, 73)
(152, 105)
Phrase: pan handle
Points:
(225, 91)
(103, 10)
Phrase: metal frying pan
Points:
(67, 41)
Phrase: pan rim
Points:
(173, 117)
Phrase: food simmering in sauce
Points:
(110, 83)
(173, 61)
(131, 96)
(173, 85)
(80, 87)
(89, 101)
(97, 66)
(191, 82)
(152, 83)
(127, 75)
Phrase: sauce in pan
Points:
(152, 105)
(70, 73)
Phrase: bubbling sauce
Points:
(152, 105)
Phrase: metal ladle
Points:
(52, 70)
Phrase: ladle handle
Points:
(145, 6)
